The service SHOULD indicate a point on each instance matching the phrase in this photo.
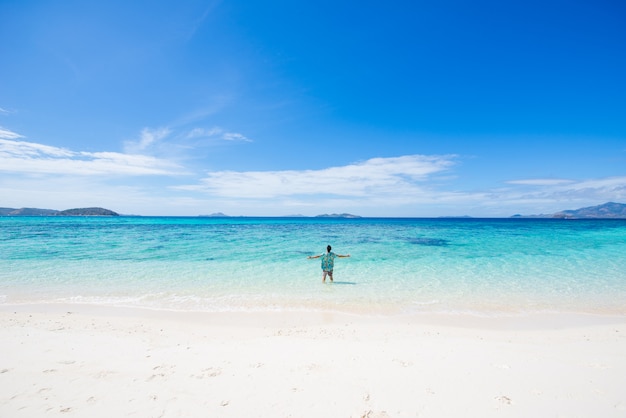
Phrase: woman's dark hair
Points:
(328, 248)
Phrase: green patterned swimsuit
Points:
(328, 261)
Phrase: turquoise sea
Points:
(481, 266)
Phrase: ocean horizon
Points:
(483, 266)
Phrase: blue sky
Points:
(405, 108)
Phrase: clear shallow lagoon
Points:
(483, 266)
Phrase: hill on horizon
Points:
(94, 211)
(609, 210)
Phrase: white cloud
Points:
(217, 132)
(233, 136)
(6, 134)
(551, 195)
(147, 139)
(412, 185)
(541, 182)
(608, 188)
(202, 132)
(32, 158)
(378, 176)
(175, 144)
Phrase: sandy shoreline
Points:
(88, 361)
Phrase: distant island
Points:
(609, 210)
(332, 215)
(338, 215)
(27, 212)
(53, 212)
(87, 212)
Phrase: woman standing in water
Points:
(328, 262)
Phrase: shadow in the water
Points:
(339, 282)
(430, 242)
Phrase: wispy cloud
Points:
(33, 158)
(541, 182)
(409, 185)
(6, 134)
(179, 143)
(217, 132)
(233, 136)
(551, 195)
(374, 177)
(147, 139)
(204, 132)
(412, 185)
(608, 188)
(197, 23)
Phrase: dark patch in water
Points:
(430, 242)
(156, 248)
(368, 240)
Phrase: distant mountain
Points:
(53, 212)
(27, 212)
(338, 215)
(87, 212)
(609, 210)
(215, 215)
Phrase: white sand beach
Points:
(89, 361)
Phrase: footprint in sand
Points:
(375, 414)
(208, 372)
(403, 363)
(161, 374)
(599, 366)
(155, 376)
(313, 367)
(103, 374)
(163, 370)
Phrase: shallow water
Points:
(484, 266)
